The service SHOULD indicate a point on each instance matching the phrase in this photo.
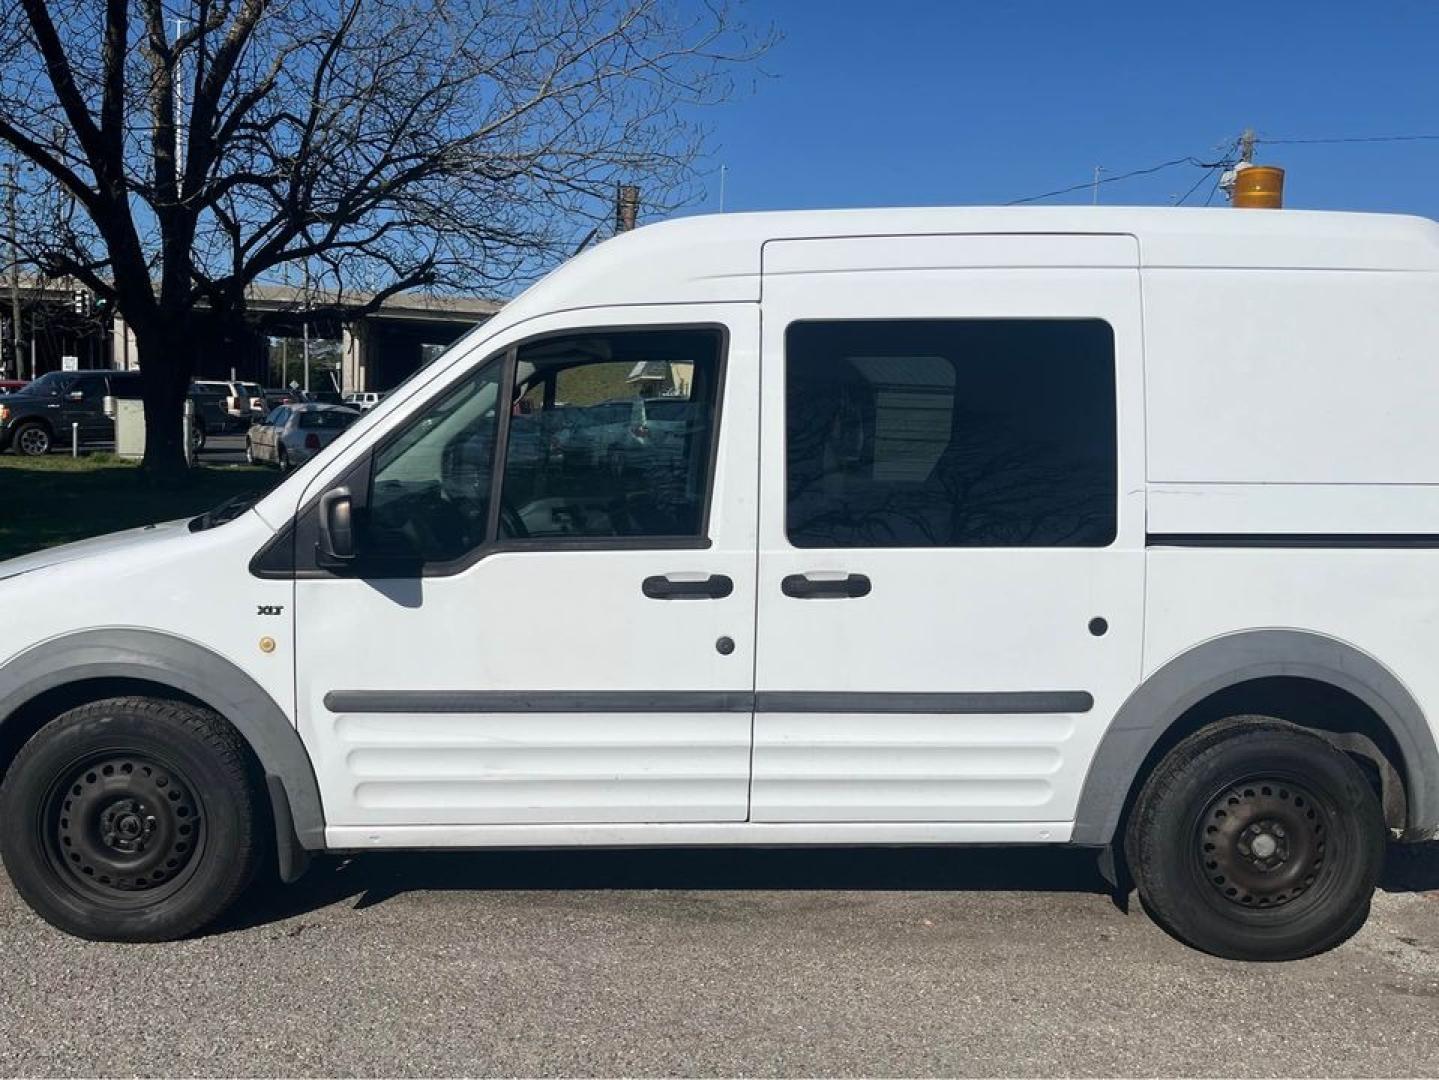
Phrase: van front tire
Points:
(1256, 840)
(131, 819)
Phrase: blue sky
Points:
(912, 102)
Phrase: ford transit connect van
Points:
(1107, 527)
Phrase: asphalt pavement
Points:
(767, 963)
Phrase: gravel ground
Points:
(758, 963)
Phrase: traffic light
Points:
(80, 302)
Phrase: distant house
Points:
(661, 378)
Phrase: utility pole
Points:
(12, 183)
(179, 94)
(1246, 146)
(1094, 200)
(627, 207)
(305, 328)
(723, 170)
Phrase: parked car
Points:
(364, 401)
(243, 400)
(292, 434)
(211, 414)
(324, 397)
(278, 395)
(1094, 526)
(599, 433)
(62, 405)
(10, 386)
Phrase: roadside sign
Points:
(69, 363)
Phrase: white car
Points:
(293, 434)
(1105, 527)
(363, 401)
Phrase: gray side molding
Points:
(1235, 658)
(193, 670)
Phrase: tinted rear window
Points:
(327, 419)
(951, 433)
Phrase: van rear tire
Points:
(1256, 840)
(131, 819)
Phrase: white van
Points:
(1107, 527)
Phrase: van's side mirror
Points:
(337, 528)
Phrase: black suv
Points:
(39, 416)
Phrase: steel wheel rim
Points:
(1264, 842)
(34, 442)
(123, 828)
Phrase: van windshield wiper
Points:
(228, 510)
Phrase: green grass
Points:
(57, 499)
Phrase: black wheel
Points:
(1257, 840)
(131, 819)
(33, 440)
(197, 437)
(283, 460)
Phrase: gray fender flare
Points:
(201, 674)
(1235, 658)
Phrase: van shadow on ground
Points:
(371, 879)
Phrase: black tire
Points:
(33, 439)
(131, 819)
(249, 452)
(1256, 840)
(197, 437)
(283, 460)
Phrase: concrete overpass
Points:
(377, 351)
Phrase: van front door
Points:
(951, 535)
(550, 620)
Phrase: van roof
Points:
(718, 257)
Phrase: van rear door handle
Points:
(714, 587)
(804, 587)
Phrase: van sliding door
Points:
(951, 527)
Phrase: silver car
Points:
(292, 434)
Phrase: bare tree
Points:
(189, 149)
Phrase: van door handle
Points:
(804, 587)
(714, 587)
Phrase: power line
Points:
(1104, 180)
(1355, 139)
(1218, 179)
(1211, 166)
(1197, 184)
(1091, 184)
